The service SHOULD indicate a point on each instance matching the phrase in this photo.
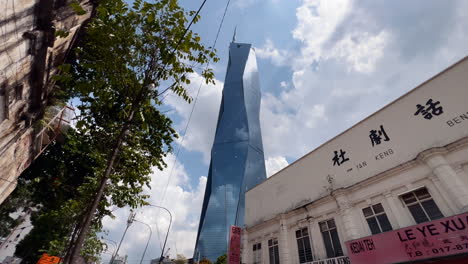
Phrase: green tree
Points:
(17, 201)
(56, 185)
(130, 57)
(221, 259)
(205, 261)
(181, 259)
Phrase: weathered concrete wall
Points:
(29, 55)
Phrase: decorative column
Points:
(398, 211)
(441, 190)
(245, 256)
(283, 241)
(455, 186)
(318, 248)
(346, 211)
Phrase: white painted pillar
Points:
(439, 189)
(400, 213)
(245, 248)
(318, 248)
(454, 185)
(351, 227)
(265, 251)
(283, 241)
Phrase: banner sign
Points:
(47, 259)
(234, 245)
(443, 237)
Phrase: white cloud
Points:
(202, 127)
(317, 26)
(316, 22)
(184, 202)
(285, 122)
(275, 164)
(361, 50)
(283, 84)
(268, 51)
(351, 60)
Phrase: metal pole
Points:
(114, 244)
(168, 229)
(151, 231)
(131, 217)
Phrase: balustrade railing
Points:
(57, 125)
(337, 260)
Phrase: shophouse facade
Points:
(391, 189)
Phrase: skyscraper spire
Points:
(234, 35)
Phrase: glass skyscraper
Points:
(237, 160)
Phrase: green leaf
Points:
(75, 5)
(150, 18)
(61, 33)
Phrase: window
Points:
(3, 103)
(257, 253)
(19, 92)
(330, 238)
(273, 251)
(377, 219)
(421, 205)
(303, 245)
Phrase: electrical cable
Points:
(193, 107)
(194, 104)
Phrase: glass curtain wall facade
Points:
(237, 160)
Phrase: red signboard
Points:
(47, 259)
(234, 245)
(443, 237)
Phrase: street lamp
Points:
(151, 231)
(130, 220)
(167, 234)
(114, 244)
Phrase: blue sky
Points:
(324, 65)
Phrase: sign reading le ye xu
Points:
(443, 237)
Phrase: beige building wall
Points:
(430, 153)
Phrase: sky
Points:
(324, 65)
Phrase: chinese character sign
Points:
(339, 159)
(376, 136)
(430, 109)
(234, 245)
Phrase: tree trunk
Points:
(110, 165)
(78, 244)
(76, 230)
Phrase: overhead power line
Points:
(194, 104)
(193, 107)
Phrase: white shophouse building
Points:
(376, 193)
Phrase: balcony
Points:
(57, 125)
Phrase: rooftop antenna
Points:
(234, 35)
